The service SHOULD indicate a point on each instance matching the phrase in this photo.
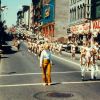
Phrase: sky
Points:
(10, 14)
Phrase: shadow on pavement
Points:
(55, 83)
(8, 50)
(3, 57)
(4, 73)
(91, 80)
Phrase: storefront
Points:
(48, 30)
(48, 15)
(84, 31)
(80, 29)
(91, 26)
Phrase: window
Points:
(78, 0)
(98, 11)
(81, 10)
(88, 2)
(71, 2)
(70, 15)
(78, 12)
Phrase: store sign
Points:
(93, 26)
(96, 24)
(80, 28)
(47, 12)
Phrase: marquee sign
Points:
(80, 28)
(86, 27)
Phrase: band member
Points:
(45, 63)
(29, 45)
(60, 48)
(18, 45)
(40, 49)
(73, 50)
(94, 66)
(88, 56)
(83, 63)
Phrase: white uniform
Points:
(73, 48)
(60, 48)
(94, 66)
(88, 55)
(83, 66)
(83, 62)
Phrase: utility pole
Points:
(0, 10)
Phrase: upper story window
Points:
(78, 0)
(98, 2)
(72, 2)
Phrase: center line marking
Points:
(25, 74)
(54, 83)
(66, 72)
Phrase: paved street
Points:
(20, 79)
(28, 26)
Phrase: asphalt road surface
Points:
(21, 78)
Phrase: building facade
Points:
(61, 18)
(52, 16)
(37, 15)
(84, 16)
(84, 20)
(43, 17)
(31, 17)
(19, 18)
(48, 18)
(80, 11)
(23, 17)
(26, 16)
(95, 13)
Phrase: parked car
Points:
(64, 47)
(67, 48)
(0, 53)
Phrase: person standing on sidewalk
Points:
(45, 63)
